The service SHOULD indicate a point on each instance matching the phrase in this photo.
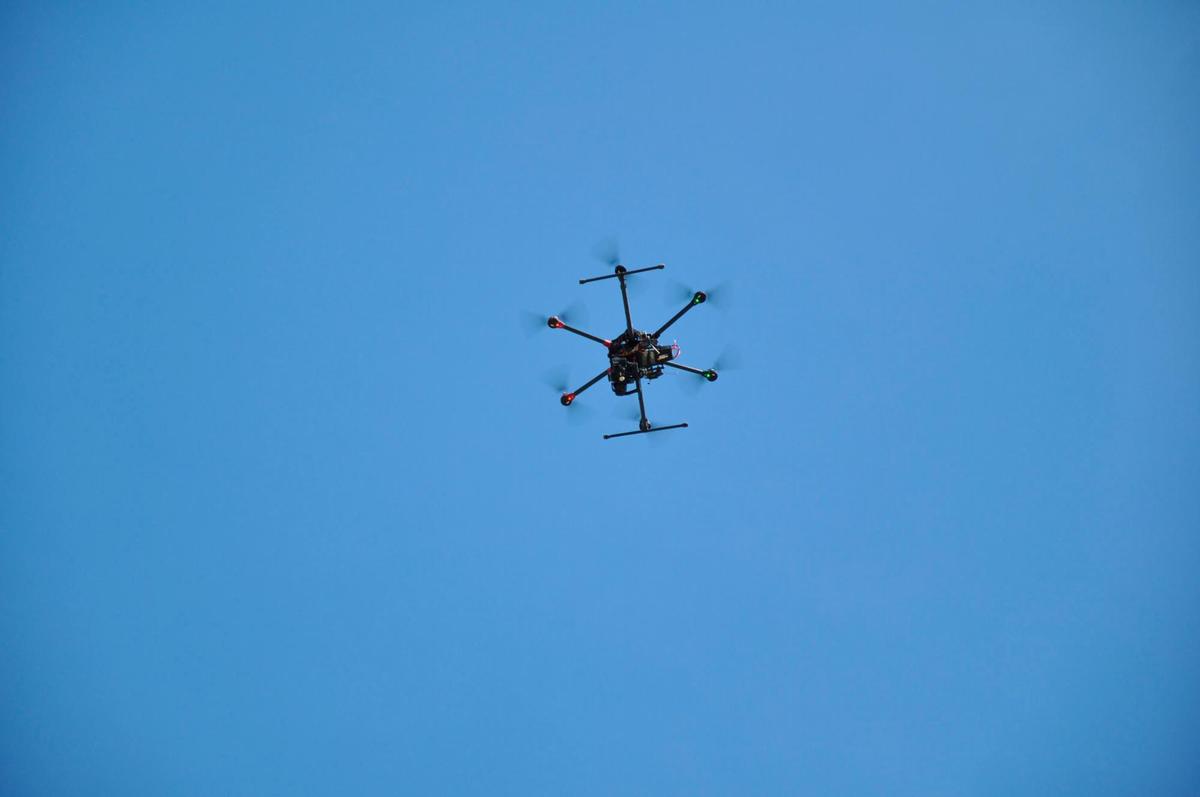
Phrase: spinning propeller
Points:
(608, 252)
(575, 313)
(558, 380)
(718, 296)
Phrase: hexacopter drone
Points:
(634, 355)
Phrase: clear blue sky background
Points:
(287, 508)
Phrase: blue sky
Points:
(287, 507)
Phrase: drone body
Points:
(634, 355)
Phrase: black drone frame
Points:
(621, 273)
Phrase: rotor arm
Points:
(625, 302)
(699, 298)
(554, 322)
(708, 374)
(567, 398)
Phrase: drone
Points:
(634, 355)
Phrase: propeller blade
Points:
(729, 360)
(608, 251)
(557, 379)
(579, 412)
(574, 314)
(532, 322)
(719, 295)
(691, 383)
(637, 285)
